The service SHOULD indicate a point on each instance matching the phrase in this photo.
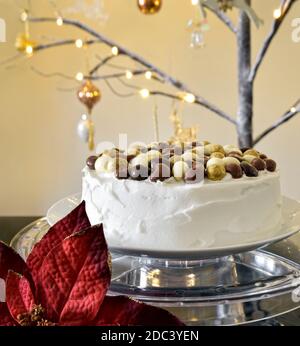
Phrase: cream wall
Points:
(41, 156)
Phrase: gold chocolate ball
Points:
(212, 148)
(251, 152)
(149, 6)
(217, 155)
(249, 158)
(216, 172)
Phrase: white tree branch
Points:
(286, 5)
(293, 111)
(135, 57)
(225, 19)
(55, 44)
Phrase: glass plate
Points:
(237, 289)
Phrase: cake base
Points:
(231, 245)
(173, 217)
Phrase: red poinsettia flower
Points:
(65, 281)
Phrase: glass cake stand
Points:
(237, 289)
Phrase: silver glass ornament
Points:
(197, 39)
(83, 130)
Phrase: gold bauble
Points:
(149, 6)
(23, 43)
(89, 95)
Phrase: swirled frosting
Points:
(178, 216)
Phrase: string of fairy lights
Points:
(88, 93)
(24, 44)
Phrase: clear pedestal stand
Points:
(238, 289)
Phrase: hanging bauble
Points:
(86, 131)
(149, 6)
(89, 95)
(198, 28)
(197, 39)
(24, 44)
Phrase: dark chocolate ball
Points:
(249, 170)
(263, 156)
(271, 165)
(194, 176)
(235, 170)
(139, 172)
(90, 162)
(259, 164)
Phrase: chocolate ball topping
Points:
(139, 172)
(235, 170)
(90, 162)
(271, 165)
(249, 170)
(259, 164)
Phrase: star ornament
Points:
(65, 280)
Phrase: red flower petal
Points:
(123, 311)
(74, 278)
(5, 318)
(19, 296)
(76, 221)
(10, 260)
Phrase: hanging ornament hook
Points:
(198, 25)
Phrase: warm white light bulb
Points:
(84, 117)
(29, 50)
(59, 21)
(145, 93)
(189, 98)
(195, 2)
(115, 50)
(129, 74)
(79, 43)
(293, 110)
(148, 75)
(277, 13)
(24, 16)
(79, 76)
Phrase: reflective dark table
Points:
(10, 226)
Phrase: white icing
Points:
(178, 216)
